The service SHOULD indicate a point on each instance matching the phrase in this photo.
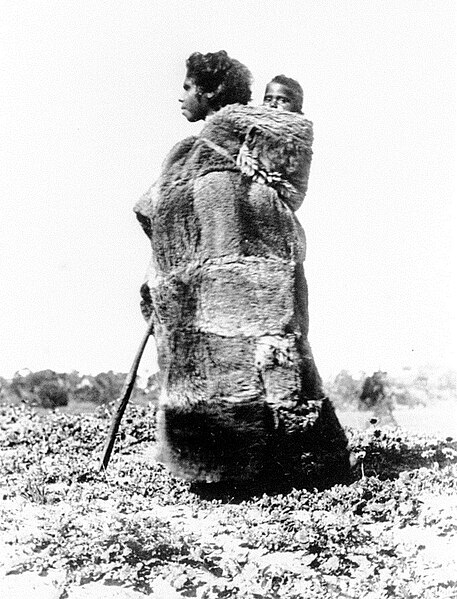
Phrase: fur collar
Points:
(276, 143)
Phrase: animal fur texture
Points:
(240, 397)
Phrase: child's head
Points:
(284, 93)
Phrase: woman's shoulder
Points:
(179, 152)
(276, 124)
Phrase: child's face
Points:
(279, 96)
(194, 105)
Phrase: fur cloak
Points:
(241, 397)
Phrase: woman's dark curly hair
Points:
(217, 72)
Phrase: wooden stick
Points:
(127, 389)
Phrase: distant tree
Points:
(421, 383)
(101, 389)
(344, 390)
(109, 385)
(448, 381)
(377, 396)
(44, 388)
(374, 391)
(4, 389)
(51, 389)
(51, 395)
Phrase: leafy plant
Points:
(137, 526)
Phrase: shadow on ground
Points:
(378, 452)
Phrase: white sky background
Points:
(88, 97)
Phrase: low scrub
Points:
(135, 525)
(50, 389)
(362, 391)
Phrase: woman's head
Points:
(212, 81)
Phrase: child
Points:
(284, 93)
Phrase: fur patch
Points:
(241, 395)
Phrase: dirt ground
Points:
(438, 558)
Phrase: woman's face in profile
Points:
(194, 104)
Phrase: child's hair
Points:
(217, 72)
(294, 87)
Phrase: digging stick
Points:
(127, 389)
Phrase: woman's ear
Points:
(216, 92)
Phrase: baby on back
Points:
(284, 93)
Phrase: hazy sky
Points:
(88, 99)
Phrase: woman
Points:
(241, 398)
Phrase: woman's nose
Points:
(273, 103)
